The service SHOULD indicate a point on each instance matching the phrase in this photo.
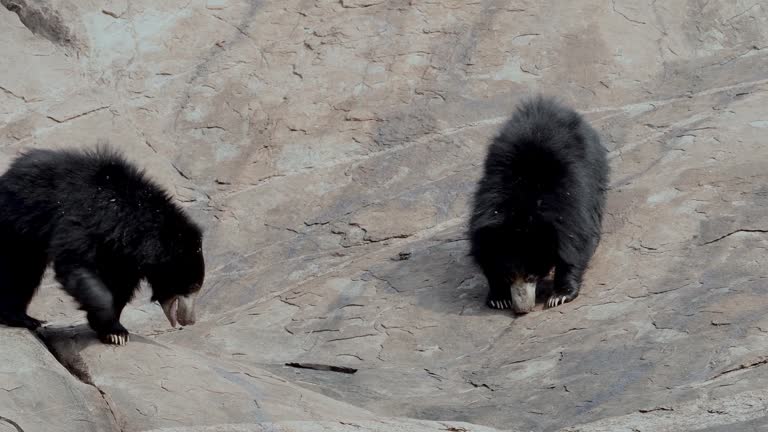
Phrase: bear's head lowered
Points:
(177, 272)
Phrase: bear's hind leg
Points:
(96, 300)
(21, 270)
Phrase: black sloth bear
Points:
(104, 226)
(539, 205)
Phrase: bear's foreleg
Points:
(499, 294)
(98, 303)
(567, 283)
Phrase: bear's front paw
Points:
(559, 300)
(499, 303)
(117, 335)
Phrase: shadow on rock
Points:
(67, 343)
(442, 277)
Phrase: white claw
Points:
(556, 301)
(509, 304)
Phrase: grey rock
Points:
(318, 141)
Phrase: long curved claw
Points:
(117, 339)
(555, 301)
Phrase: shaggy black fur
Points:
(540, 202)
(102, 224)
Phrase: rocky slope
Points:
(330, 148)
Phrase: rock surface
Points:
(330, 149)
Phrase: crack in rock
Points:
(10, 93)
(734, 232)
(12, 423)
(753, 364)
(64, 120)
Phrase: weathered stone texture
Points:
(330, 148)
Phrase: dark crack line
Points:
(209, 128)
(8, 92)
(239, 30)
(352, 337)
(79, 115)
(754, 364)
(389, 284)
(12, 423)
(178, 170)
(735, 232)
(742, 13)
(650, 410)
(625, 17)
(324, 367)
(282, 228)
(105, 397)
(480, 385)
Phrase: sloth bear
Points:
(539, 205)
(104, 227)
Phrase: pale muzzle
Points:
(523, 295)
(180, 309)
